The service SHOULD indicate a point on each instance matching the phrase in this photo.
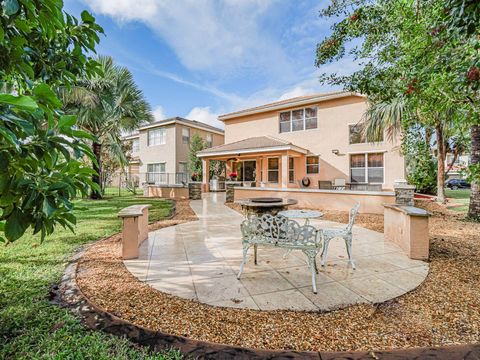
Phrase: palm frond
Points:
(384, 117)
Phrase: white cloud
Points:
(159, 113)
(205, 115)
(220, 37)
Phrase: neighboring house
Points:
(160, 149)
(459, 166)
(315, 137)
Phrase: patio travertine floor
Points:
(199, 260)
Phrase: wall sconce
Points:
(335, 151)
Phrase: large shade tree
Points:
(41, 151)
(460, 25)
(404, 68)
(107, 104)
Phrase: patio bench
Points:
(278, 231)
(134, 229)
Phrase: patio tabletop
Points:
(301, 214)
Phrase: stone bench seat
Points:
(134, 229)
(132, 211)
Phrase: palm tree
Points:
(107, 105)
(388, 117)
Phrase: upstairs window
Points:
(209, 140)
(157, 137)
(298, 120)
(357, 136)
(313, 165)
(186, 135)
(135, 145)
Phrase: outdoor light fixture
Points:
(335, 151)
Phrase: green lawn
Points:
(30, 327)
(460, 196)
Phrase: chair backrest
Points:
(280, 231)
(339, 182)
(352, 215)
(323, 184)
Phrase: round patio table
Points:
(265, 205)
(301, 214)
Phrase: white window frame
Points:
(156, 137)
(365, 140)
(306, 164)
(156, 175)
(273, 170)
(183, 163)
(185, 138)
(366, 154)
(291, 170)
(291, 119)
(209, 140)
(159, 163)
(135, 145)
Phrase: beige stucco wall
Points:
(157, 153)
(370, 202)
(334, 117)
(173, 151)
(169, 192)
(407, 231)
(182, 149)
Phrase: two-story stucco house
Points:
(160, 149)
(308, 141)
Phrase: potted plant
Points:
(233, 176)
(194, 176)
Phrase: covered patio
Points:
(259, 161)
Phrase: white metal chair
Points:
(278, 231)
(345, 234)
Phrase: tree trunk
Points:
(440, 164)
(97, 149)
(474, 208)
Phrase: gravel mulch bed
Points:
(444, 310)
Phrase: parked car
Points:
(455, 184)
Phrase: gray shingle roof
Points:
(252, 143)
(183, 120)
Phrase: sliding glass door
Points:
(246, 170)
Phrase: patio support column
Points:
(284, 171)
(258, 170)
(206, 175)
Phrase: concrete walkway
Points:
(199, 260)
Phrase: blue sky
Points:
(199, 59)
